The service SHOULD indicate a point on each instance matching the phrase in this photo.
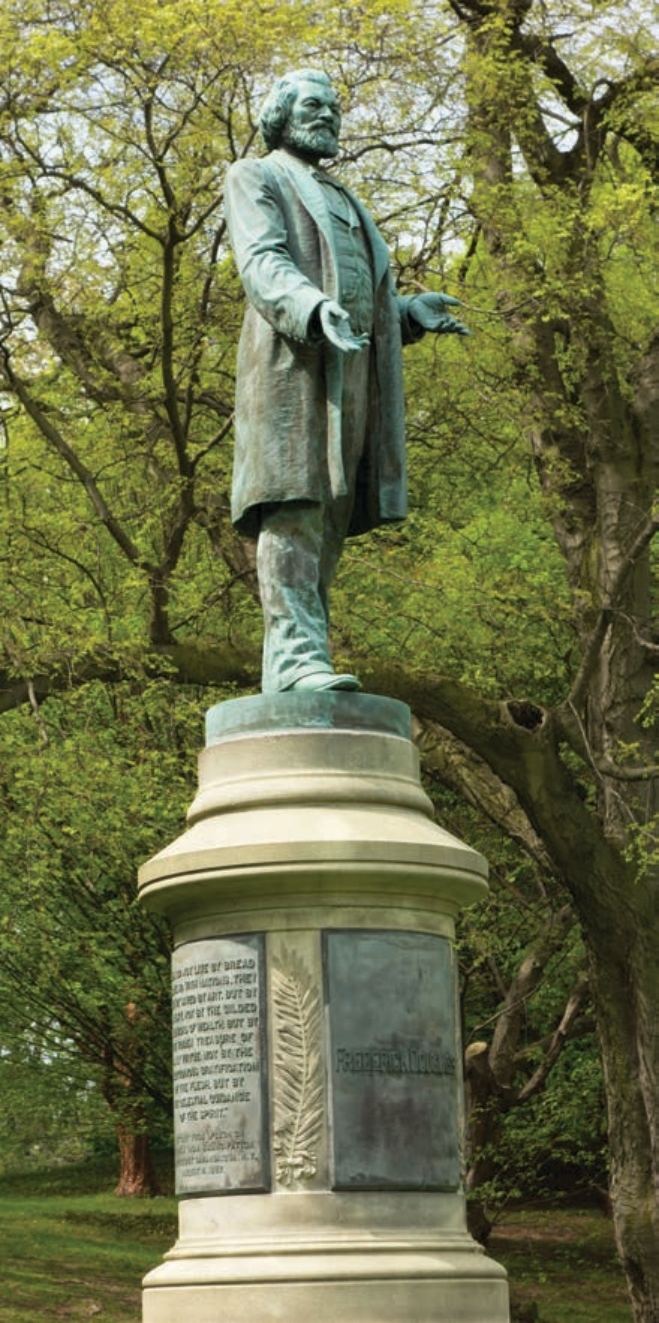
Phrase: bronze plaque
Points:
(219, 1066)
(393, 1050)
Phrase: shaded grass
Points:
(562, 1263)
(98, 1175)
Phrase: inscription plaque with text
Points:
(219, 1066)
(393, 1044)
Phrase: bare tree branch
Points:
(594, 643)
(568, 1024)
(54, 438)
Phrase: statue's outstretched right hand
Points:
(336, 328)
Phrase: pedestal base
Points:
(317, 1081)
(326, 1258)
(452, 1295)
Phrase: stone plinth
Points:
(317, 1073)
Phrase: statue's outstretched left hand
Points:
(429, 310)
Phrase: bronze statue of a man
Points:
(320, 445)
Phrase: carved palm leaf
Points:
(299, 1100)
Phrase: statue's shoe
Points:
(325, 680)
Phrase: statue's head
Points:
(302, 111)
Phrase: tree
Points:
(519, 596)
(50, 1110)
(592, 374)
(525, 1009)
(84, 973)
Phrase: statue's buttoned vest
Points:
(353, 256)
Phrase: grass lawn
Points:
(70, 1255)
(72, 1250)
(563, 1262)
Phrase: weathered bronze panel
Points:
(393, 1051)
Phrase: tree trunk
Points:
(622, 984)
(124, 1094)
(137, 1177)
(483, 1108)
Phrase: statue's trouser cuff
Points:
(296, 558)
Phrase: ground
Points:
(73, 1250)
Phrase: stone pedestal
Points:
(317, 1079)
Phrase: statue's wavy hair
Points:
(277, 105)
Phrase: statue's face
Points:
(314, 121)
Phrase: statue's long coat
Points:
(288, 391)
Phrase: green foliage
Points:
(51, 1112)
(474, 585)
(88, 790)
(557, 1141)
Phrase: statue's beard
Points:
(317, 142)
